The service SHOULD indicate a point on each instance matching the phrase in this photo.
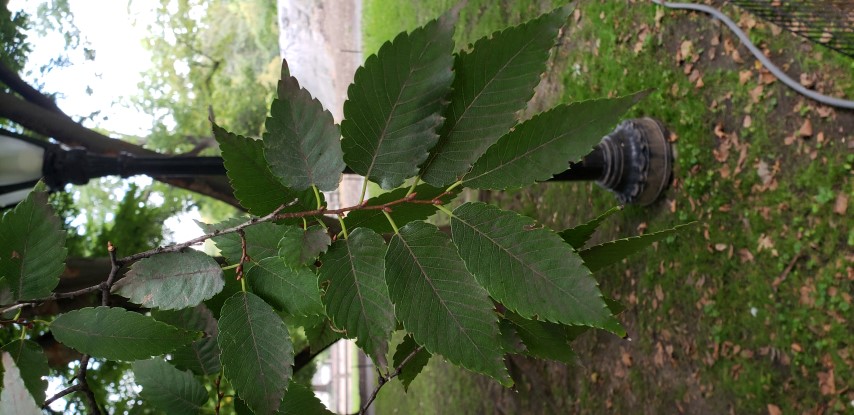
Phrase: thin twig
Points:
(114, 269)
(219, 395)
(384, 379)
(81, 386)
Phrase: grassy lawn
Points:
(749, 311)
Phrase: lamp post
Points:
(634, 161)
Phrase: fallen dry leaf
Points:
(695, 74)
(756, 94)
(841, 205)
(577, 14)
(789, 140)
(745, 255)
(747, 121)
(827, 383)
(627, 359)
(807, 80)
(797, 348)
(764, 172)
(744, 76)
(686, 49)
(659, 292)
(699, 84)
(824, 111)
(774, 409)
(806, 129)
(765, 242)
(721, 247)
(736, 57)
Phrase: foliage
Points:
(498, 283)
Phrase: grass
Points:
(748, 311)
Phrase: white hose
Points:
(777, 72)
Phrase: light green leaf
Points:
(172, 280)
(15, 398)
(402, 213)
(579, 235)
(300, 400)
(118, 334)
(356, 296)
(168, 389)
(292, 290)
(202, 356)
(300, 247)
(302, 143)
(493, 82)
(32, 364)
(394, 102)
(600, 256)
(262, 240)
(528, 268)
(414, 365)
(32, 247)
(254, 185)
(256, 351)
(546, 144)
(440, 303)
(542, 339)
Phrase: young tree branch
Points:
(384, 379)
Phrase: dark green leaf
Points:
(579, 235)
(257, 354)
(300, 400)
(32, 247)
(169, 389)
(402, 214)
(414, 365)
(528, 268)
(600, 256)
(202, 356)
(15, 398)
(321, 335)
(546, 144)
(492, 83)
(254, 185)
(356, 296)
(118, 334)
(32, 364)
(300, 247)
(393, 105)
(293, 290)
(262, 239)
(510, 340)
(172, 280)
(542, 339)
(302, 143)
(440, 303)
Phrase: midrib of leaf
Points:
(356, 282)
(527, 152)
(518, 260)
(441, 300)
(394, 110)
(96, 334)
(254, 343)
(443, 140)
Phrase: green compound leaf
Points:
(32, 247)
(292, 290)
(579, 235)
(356, 296)
(600, 256)
(15, 398)
(32, 365)
(493, 82)
(440, 303)
(257, 353)
(300, 400)
(394, 102)
(262, 240)
(300, 247)
(257, 189)
(172, 280)
(543, 146)
(202, 356)
(414, 365)
(168, 389)
(542, 339)
(401, 214)
(528, 268)
(302, 143)
(118, 334)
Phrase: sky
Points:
(115, 30)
